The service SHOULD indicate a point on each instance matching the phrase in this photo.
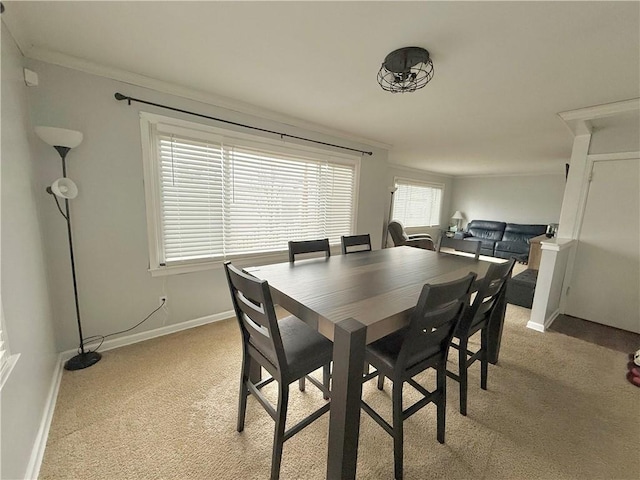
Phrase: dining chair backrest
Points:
(256, 316)
(489, 290)
(468, 246)
(434, 320)
(308, 246)
(356, 243)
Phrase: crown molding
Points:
(544, 173)
(418, 170)
(86, 66)
(579, 121)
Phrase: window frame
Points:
(421, 183)
(151, 175)
(7, 361)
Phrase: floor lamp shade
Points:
(458, 217)
(59, 137)
(64, 188)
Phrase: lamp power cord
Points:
(101, 338)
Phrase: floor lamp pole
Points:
(82, 359)
(392, 190)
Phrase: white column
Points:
(549, 286)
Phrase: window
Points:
(214, 194)
(7, 361)
(417, 204)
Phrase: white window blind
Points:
(417, 204)
(219, 197)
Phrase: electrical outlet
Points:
(163, 300)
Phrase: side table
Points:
(535, 252)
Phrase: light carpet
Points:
(556, 407)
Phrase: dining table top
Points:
(379, 288)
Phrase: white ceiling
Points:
(503, 70)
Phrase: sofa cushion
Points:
(515, 247)
(486, 230)
(515, 232)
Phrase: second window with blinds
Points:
(214, 194)
(417, 204)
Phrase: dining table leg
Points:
(349, 342)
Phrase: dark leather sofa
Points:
(502, 240)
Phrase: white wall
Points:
(110, 237)
(621, 135)
(25, 296)
(532, 199)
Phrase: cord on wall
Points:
(101, 338)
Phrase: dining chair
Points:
(423, 344)
(478, 318)
(288, 349)
(303, 247)
(355, 243)
(308, 246)
(468, 246)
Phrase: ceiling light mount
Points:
(405, 70)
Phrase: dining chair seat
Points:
(305, 349)
(387, 349)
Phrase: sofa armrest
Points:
(419, 236)
(462, 235)
(425, 243)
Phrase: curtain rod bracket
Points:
(119, 96)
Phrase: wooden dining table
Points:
(354, 300)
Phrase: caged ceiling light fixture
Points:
(405, 70)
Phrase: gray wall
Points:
(25, 298)
(514, 199)
(110, 233)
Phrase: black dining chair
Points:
(355, 243)
(288, 349)
(308, 246)
(478, 318)
(304, 247)
(468, 246)
(423, 344)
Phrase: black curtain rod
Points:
(120, 96)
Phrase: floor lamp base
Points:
(82, 360)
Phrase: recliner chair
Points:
(400, 237)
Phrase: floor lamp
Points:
(385, 240)
(64, 140)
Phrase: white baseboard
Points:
(547, 322)
(37, 454)
(535, 326)
(157, 332)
